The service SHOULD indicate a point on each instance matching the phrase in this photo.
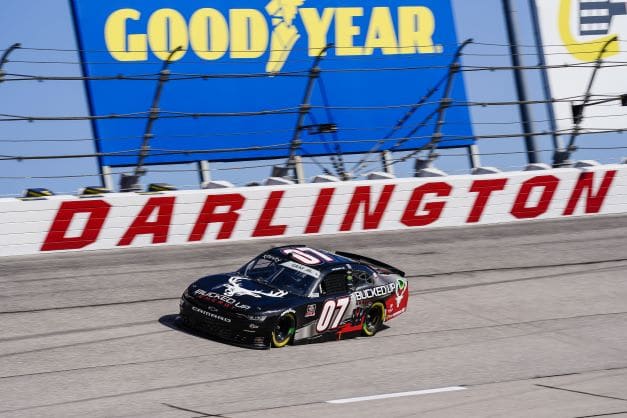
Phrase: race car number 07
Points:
(307, 255)
(332, 313)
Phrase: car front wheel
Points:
(283, 330)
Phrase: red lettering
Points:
(264, 226)
(319, 211)
(433, 210)
(361, 196)
(56, 239)
(593, 201)
(208, 215)
(520, 209)
(158, 228)
(484, 188)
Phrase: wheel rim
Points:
(283, 330)
(374, 318)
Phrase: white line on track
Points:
(398, 394)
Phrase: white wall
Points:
(54, 224)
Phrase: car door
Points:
(334, 303)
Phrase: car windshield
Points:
(279, 276)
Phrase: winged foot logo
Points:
(284, 33)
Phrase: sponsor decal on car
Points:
(401, 288)
(332, 314)
(311, 310)
(234, 288)
(375, 291)
(272, 258)
(358, 314)
(306, 255)
(211, 315)
(396, 304)
(220, 299)
(300, 268)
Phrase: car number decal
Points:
(332, 313)
(307, 255)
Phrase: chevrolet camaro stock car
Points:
(296, 294)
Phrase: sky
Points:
(48, 24)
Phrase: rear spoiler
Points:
(372, 261)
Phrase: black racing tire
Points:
(283, 330)
(374, 319)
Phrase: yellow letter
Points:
(381, 32)
(249, 33)
(317, 28)
(121, 46)
(209, 34)
(345, 31)
(415, 28)
(167, 31)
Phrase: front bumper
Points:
(220, 324)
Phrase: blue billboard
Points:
(235, 87)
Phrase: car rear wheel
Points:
(283, 330)
(374, 319)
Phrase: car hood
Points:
(242, 291)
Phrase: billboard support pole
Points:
(558, 144)
(524, 107)
(107, 177)
(303, 110)
(204, 172)
(88, 91)
(387, 162)
(299, 169)
(474, 156)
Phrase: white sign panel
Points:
(574, 33)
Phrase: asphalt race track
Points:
(530, 319)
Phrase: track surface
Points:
(495, 309)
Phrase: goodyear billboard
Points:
(575, 32)
(236, 86)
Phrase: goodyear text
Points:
(211, 34)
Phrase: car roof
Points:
(333, 261)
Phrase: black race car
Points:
(296, 294)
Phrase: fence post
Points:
(304, 109)
(129, 183)
(524, 107)
(5, 57)
(561, 158)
